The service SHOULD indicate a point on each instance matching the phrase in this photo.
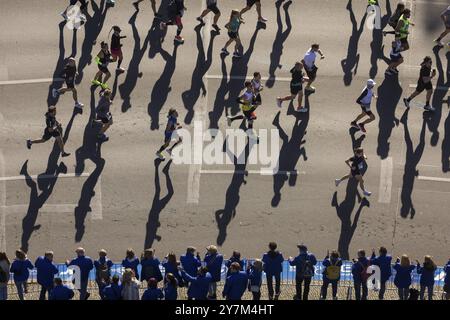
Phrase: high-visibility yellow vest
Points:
(372, 2)
(247, 107)
(405, 27)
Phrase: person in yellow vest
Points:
(402, 29)
(372, 2)
(246, 100)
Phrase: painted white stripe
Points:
(2, 204)
(220, 77)
(434, 179)
(4, 73)
(438, 3)
(261, 172)
(97, 207)
(30, 81)
(384, 193)
(44, 176)
(440, 88)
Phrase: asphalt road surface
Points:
(115, 195)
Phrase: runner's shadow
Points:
(190, 97)
(232, 196)
(161, 88)
(156, 35)
(350, 63)
(344, 212)
(219, 101)
(356, 143)
(90, 150)
(410, 171)
(376, 45)
(280, 38)
(158, 204)
(389, 94)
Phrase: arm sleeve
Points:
(363, 94)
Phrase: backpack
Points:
(3, 276)
(333, 272)
(364, 274)
(308, 269)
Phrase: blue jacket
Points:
(131, 264)
(385, 265)
(447, 273)
(190, 264)
(299, 262)
(358, 267)
(153, 294)
(20, 269)
(46, 271)
(403, 276)
(173, 269)
(232, 260)
(330, 262)
(61, 292)
(427, 275)
(214, 265)
(150, 269)
(199, 285)
(170, 292)
(112, 292)
(235, 285)
(85, 264)
(273, 263)
(255, 277)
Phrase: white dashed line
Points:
(434, 179)
(384, 193)
(3, 203)
(30, 81)
(45, 176)
(220, 77)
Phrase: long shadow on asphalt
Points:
(389, 94)
(156, 34)
(90, 150)
(280, 38)
(350, 63)
(158, 204)
(410, 172)
(202, 66)
(376, 45)
(344, 211)
(45, 182)
(219, 101)
(446, 143)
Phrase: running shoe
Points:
(229, 121)
(120, 70)
(428, 108)
(179, 39)
(367, 193)
(29, 144)
(439, 43)
(79, 105)
(362, 128)
(354, 124)
(406, 102)
(55, 93)
(83, 18)
(337, 182)
(302, 109)
(160, 156)
(236, 55)
(262, 19)
(65, 154)
(216, 27)
(224, 51)
(104, 86)
(96, 82)
(279, 103)
(310, 88)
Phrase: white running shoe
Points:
(279, 102)
(79, 105)
(337, 182)
(367, 193)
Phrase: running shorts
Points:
(103, 69)
(421, 86)
(257, 99)
(296, 88)
(395, 58)
(366, 109)
(70, 83)
(233, 35)
(213, 8)
(250, 3)
(355, 172)
(116, 53)
(404, 41)
(312, 73)
(250, 114)
(104, 118)
(47, 134)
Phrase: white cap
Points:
(371, 83)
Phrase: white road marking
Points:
(438, 3)
(97, 207)
(30, 81)
(4, 72)
(261, 171)
(384, 193)
(45, 176)
(2, 205)
(220, 77)
(47, 208)
(434, 179)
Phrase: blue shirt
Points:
(170, 292)
(153, 294)
(235, 285)
(273, 263)
(85, 264)
(214, 265)
(198, 289)
(61, 292)
(427, 275)
(384, 263)
(150, 269)
(46, 271)
(131, 264)
(112, 292)
(20, 269)
(190, 264)
(403, 276)
(300, 260)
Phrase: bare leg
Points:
(429, 94)
(38, 141)
(300, 99)
(361, 182)
(244, 10)
(371, 118)
(361, 115)
(107, 76)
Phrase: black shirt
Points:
(50, 121)
(424, 72)
(297, 76)
(115, 41)
(357, 164)
(69, 72)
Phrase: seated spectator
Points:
(46, 272)
(402, 278)
(86, 265)
(189, 262)
(60, 291)
(4, 275)
(199, 285)
(102, 271)
(236, 257)
(131, 261)
(153, 292)
(447, 280)
(213, 261)
(331, 274)
(426, 277)
(130, 285)
(254, 273)
(383, 261)
(113, 291)
(304, 271)
(273, 266)
(150, 266)
(236, 283)
(171, 265)
(20, 269)
(360, 275)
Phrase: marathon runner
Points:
(172, 126)
(298, 77)
(249, 5)
(358, 163)
(175, 11)
(396, 58)
(393, 20)
(445, 16)
(83, 8)
(310, 66)
(402, 29)
(102, 59)
(69, 74)
(103, 114)
(246, 100)
(116, 47)
(364, 100)
(424, 83)
(211, 6)
(233, 33)
(257, 88)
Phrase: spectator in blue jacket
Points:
(60, 291)
(190, 263)
(171, 265)
(131, 262)
(384, 262)
(5, 266)
(360, 275)
(113, 291)
(331, 274)
(447, 280)
(254, 273)
(86, 265)
(273, 266)
(46, 271)
(236, 257)
(304, 271)
(236, 283)
(102, 271)
(213, 261)
(199, 285)
(426, 272)
(402, 278)
(150, 266)
(20, 269)
(170, 287)
(153, 292)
